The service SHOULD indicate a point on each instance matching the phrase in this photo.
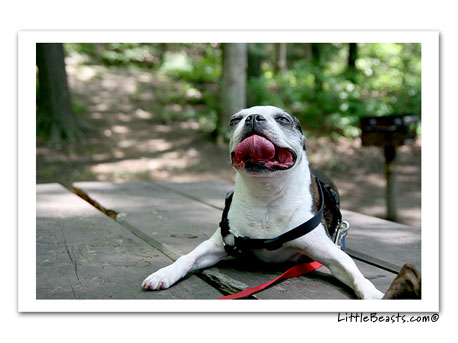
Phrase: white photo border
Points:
(27, 301)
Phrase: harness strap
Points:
(295, 271)
(242, 244)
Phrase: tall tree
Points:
(308, 53)
(233, 85)
(280, 58)
(316, 54)
(316, 62)
(55, 118)
(255, 56)
(351, 62)
(352, 55)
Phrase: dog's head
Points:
(265, 139)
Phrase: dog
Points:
(275, 192)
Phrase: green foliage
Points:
(318, 87)
(196, 71)
(118, 54)
(205, 69)
(386, 81)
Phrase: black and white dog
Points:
(275, 192)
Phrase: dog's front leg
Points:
(204, 255)
(342, 266)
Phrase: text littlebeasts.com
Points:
(385, 318)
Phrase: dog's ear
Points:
(298, 126)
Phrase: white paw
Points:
(162, 279)
(375, 294)
(368, 291)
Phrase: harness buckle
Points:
(341, 233)
(234, 237)
(234, 249)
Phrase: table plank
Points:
(83, 254)
(211, 193)
(382, 242)
(393, 243)
(166, 220)
(179, 222)
(320, 284)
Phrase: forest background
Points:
(159, 111)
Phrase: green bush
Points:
(320, 89)
(387, 81)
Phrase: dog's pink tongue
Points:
(254, 148)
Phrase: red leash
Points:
(298, 270)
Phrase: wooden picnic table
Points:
(104, 242)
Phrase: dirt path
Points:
(128, 140)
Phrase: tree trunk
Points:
(255, 56)
(280, 58)
(308, 53)
(352, 54)
(55, 118)
(233, 87)
(316, 56)
(351, 65)
(316, 62)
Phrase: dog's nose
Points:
(254, 119)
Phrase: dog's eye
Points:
(235, 121)
(282, 119)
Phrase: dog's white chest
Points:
(268, 220)
(259, 222)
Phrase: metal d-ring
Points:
(341, 233)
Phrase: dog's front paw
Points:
(368, 291)
(162, 279)
(373, 294)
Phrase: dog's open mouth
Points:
(256, 153)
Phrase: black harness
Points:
(243, 245)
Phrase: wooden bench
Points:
(103, 247)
